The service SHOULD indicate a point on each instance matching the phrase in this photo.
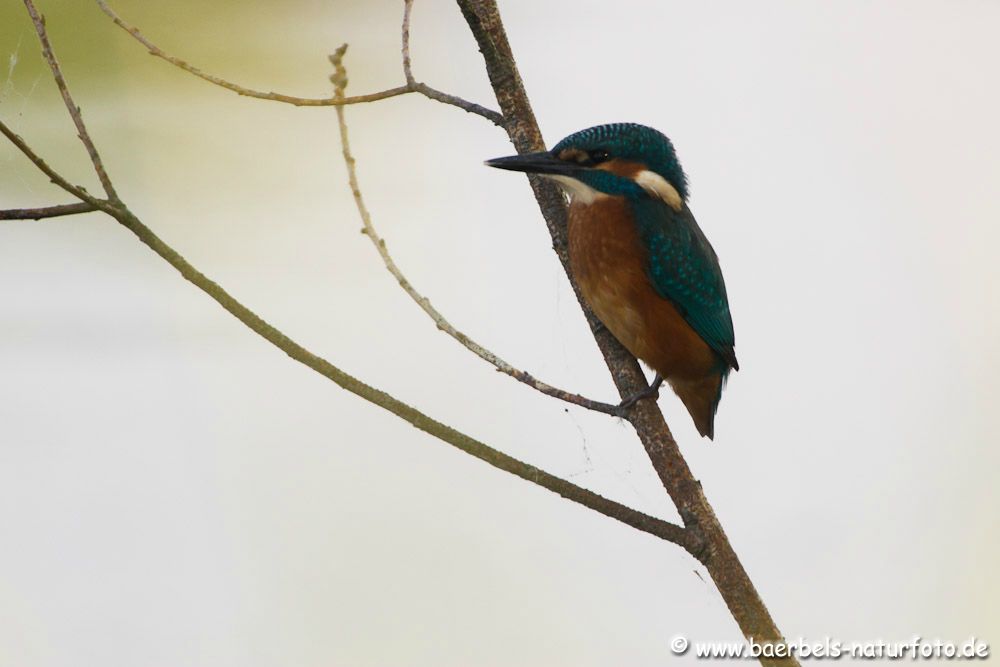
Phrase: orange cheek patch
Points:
(625, 168)
(572, 155)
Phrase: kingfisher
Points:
(641, 261)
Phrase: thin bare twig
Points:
(117, 209)
(47, 212)
(74, 110)
(339, 80)
(240, 90)
(410, 87)
(423, 88)
(407, 65)
(445, 98)
(22, 146)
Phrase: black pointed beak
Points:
(535, 163)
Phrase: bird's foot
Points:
(652, 391)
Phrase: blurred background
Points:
(175, 491)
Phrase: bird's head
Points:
(620, 159)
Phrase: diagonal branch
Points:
(47, 212)
(411, 86)
(54, 176)
(648, 524)
(339, 80)
(74, 110)
(239, 90)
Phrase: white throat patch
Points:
(658, 187)
(577, 191)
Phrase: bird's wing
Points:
(684, 268)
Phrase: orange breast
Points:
(609, 263)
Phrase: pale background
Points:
(174, 491)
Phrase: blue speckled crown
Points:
(634, 142)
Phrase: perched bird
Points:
(642, 263)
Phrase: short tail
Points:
(701, 398)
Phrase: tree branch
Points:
(74, 110)
(22, 146)
(407, 65)
(47, 212)
(411, 86)
(339, 80)
(684, 489)
(648, 524)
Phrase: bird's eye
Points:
(599, 156)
